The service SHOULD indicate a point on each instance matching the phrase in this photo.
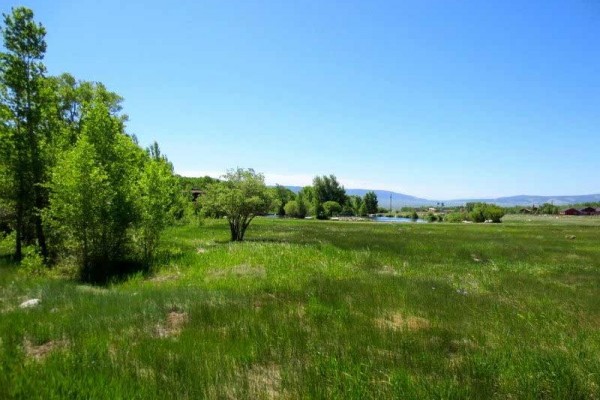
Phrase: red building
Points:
(571, 211)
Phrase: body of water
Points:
(397, 220)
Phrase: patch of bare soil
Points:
(401, 322)
(387, 270)
(39, 352)
(173, 324)
(239, 271)
(264, 381)
(164, 278)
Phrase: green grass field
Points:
(311, 309)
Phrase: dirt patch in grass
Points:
(400, 322)
(238, 271)
(41, 351)
(264, 381)
(387, 270)
(164, 278)
(92, 289)
(173, 324)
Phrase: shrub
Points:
(455, 217)
(291, 209)
(331, 208)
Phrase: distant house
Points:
(525, 211)
(588, 211)
(570, 211)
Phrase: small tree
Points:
(157, 195)
(283, 195)
(242, 196)
(331, 208)
(371, 202)
(291, 209)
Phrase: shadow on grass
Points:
(113, 272)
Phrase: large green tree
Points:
(371, 203)
(283, 196)
(240, 197)
(327, 188)
(21, 96)
(109, 200)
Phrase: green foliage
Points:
(32, 263)
(283, 195)
(548, 209)
(455, 217)
(327, 188)
(371, 203)
(240, 197)
(481, 212)
(292, 210)
(21, 99)
(157, 195)
(109, 200)
(357, 206)
(331, 208)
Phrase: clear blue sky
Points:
(438, 99)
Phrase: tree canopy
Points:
(241, 197)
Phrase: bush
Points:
(109, 199)
(455, 217)
(431, 217)
(494, 213)
(331, 208)
(291, 209)
(242, 196)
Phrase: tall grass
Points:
(312, 309)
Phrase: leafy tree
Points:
(283, 195)
(356, 203)
(493, 213)
(301, 203)
(371, 203)
(308, 197)
(455, 217)
(292, 209)
(240, 197)
(362, 211)
(80, 191)
(105, 192)
(549, 209)
(157, 196)
(21, 81)
(331, 208)
(481, 212)
(327, 188)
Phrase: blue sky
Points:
(437, 99)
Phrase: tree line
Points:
(75, 184)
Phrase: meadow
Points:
(320, 309)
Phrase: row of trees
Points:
(74, 184)
(324, 199)
(476, 212)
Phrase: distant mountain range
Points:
(402, 200)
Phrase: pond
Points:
(397, 220)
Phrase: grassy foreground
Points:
(311, 309)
